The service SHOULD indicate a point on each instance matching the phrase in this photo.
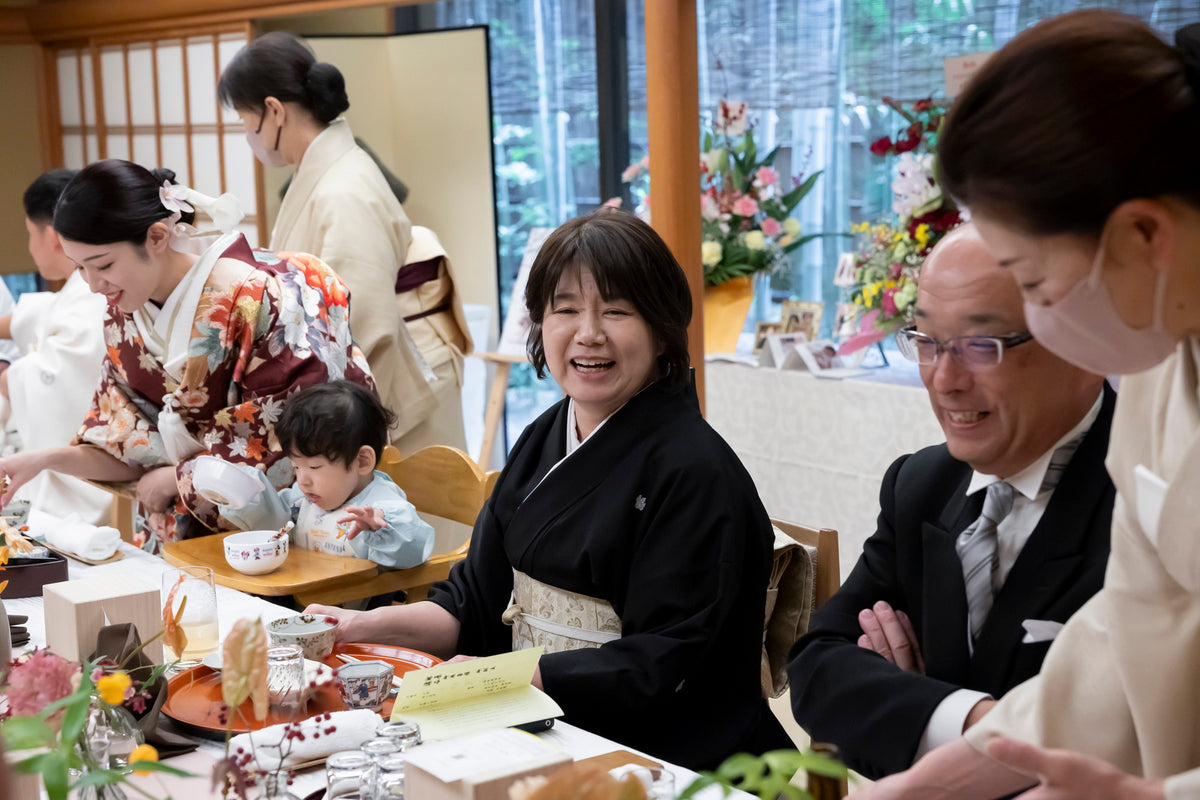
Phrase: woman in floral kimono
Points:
(203, 346)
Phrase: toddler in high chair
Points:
(334, 433)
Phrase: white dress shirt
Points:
(946, 722)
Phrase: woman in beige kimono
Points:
(340, 208)
(1075, 147)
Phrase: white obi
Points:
(557, 620)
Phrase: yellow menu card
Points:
(452, 700)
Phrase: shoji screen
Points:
(154, 101)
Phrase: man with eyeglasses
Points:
(984, 545)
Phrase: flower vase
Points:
(725, 309)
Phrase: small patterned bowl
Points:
(364, 684)
(314, 633)
(255, 552)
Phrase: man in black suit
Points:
(984, 545)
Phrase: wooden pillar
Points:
(672, 95)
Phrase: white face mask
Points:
(1085, 329)
(269, 157)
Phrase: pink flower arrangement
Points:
(39, 679)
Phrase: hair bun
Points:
(327, 88)
(1187, 42)
(163, 174)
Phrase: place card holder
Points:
(77, 610)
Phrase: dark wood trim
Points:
(98, 101)
(82, 103)
(128, 100)
(187, 112)
(48, 109)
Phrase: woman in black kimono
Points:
(639, 546)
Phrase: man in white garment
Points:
(59, 334)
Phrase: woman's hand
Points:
(345, 618)
(18, 470)
(1067, 775)
(158, 489)
(364, 518)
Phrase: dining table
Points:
(232, 605)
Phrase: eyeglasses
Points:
(973, 352)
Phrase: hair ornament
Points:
(225, 212)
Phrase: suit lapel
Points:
(1049, 560)
(943, 596)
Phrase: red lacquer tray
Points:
(194, 696)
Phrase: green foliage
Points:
(767, 776)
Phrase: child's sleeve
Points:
(269, 509)
(405, 540)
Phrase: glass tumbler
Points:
(285, 680)
(406, 734)
(193, 590)
(349, 775)
(389, 777)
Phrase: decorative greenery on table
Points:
(767, 776)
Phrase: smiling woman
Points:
(628, 533)
(201, 347)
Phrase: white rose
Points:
(755, 240)
(791, 226)
(710, 253)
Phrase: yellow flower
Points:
(897, 236)
(143, 752)
(755, 240)
(111, 688)
(710, 253)
(922, 234)
(791, 226)
(862, 227)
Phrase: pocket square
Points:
(1040, 630)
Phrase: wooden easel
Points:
(495, 404)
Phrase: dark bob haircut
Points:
(42, 195)
(280, 65)
(113, 201)
(629, 261)
(334, 420)
(1072, 118)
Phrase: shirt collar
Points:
(1029, 480)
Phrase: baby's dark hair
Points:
(334, 420)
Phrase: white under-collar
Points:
(1029, 480)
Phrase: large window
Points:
(812, 71)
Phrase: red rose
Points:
(880, 147)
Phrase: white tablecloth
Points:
(233, 605)
(817, 448)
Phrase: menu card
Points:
(452, 700)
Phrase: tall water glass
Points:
(194, 590)
(285, 680)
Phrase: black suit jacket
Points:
(872, 710)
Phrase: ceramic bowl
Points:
(364, 684)
(314, 633)
(256, 552)
(220, 482)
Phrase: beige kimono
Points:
(340, 209)
(1122, 680)
(431, 307)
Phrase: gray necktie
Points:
(976, 548)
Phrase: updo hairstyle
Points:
(280, 65)
(113, 201)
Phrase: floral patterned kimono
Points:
(210, 371)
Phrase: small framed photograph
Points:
(781, 352)
(845, 319)
(761, 331)
(801, 316)
(846, 270)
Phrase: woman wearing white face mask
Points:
(340, 208)
(1075, 147)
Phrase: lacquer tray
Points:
(194, 695)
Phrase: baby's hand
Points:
(364, 518)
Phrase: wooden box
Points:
(77, 610)
(27, 576)
(492, 779)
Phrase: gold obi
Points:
(542, 615)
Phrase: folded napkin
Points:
(352, 728)
(72, 534)
(119, 642)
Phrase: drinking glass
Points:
(285, 680)
(389, 777)
(199, 620)
(406, 734)
(349, 775)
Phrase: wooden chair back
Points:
(828, 570)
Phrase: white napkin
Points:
(74, 535)
(352, 729)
